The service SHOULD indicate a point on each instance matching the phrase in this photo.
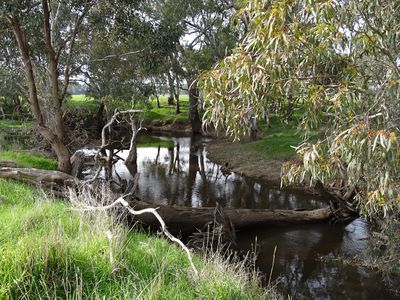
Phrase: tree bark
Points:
(55, 135)
(177, 94)
(171, 89)
(187, 219)
(47, 178)
(194, 107)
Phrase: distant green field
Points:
(167, 112)
(164, 113)
(82, 102)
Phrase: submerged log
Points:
(188, 219)
(45, 178)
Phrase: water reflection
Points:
(306, 257)
(306, 261)
(183, 175)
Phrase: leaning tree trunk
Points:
(53, 133)
(194, 107)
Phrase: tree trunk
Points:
(158, 101)
(177, 94)
(100, 117)
(253, 128)
(63, 157)
(171, 90)
(131, 159)
(53, 135)
(178, 218)
(46, 178)
(188, 220)
(194, 107)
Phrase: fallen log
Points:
(178, 218)
(8, 163)
(46, 178)
(188, 219)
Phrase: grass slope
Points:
(48, 251)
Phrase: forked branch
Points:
(153, 211)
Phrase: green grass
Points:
(82, 102)
(276, 142)
(48, 251)
(167, 112)
(164, 113)
(150, 141)
(29, 160)
(14, 124)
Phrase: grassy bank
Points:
(150, 141)
(29, 160)
(261, 158)
(49, 251)
(167, 112)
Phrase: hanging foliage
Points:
(339, 61)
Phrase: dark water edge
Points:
(308, 260)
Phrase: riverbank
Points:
(48, 249)
(260, 159)
(64, 253)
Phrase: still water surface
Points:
(306, 260)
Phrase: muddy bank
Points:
(223, 151)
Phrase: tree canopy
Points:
(340, 62)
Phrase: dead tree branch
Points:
(153, 211)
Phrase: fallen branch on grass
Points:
(153, 211)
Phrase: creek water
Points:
(306, 263)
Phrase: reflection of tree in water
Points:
(192, 173)
(302, 273)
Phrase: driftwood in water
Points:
(45, 178)
(178, 218)
(188, 219)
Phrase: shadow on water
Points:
(306, 261)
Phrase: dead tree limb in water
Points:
(104, 144)
(178, 218)
(189, 219)
(131, 159)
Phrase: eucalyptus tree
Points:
(341, 61)
(121, 60)
(199, 34)
(12, 84)
(46, 33)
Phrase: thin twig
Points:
(153, 211)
